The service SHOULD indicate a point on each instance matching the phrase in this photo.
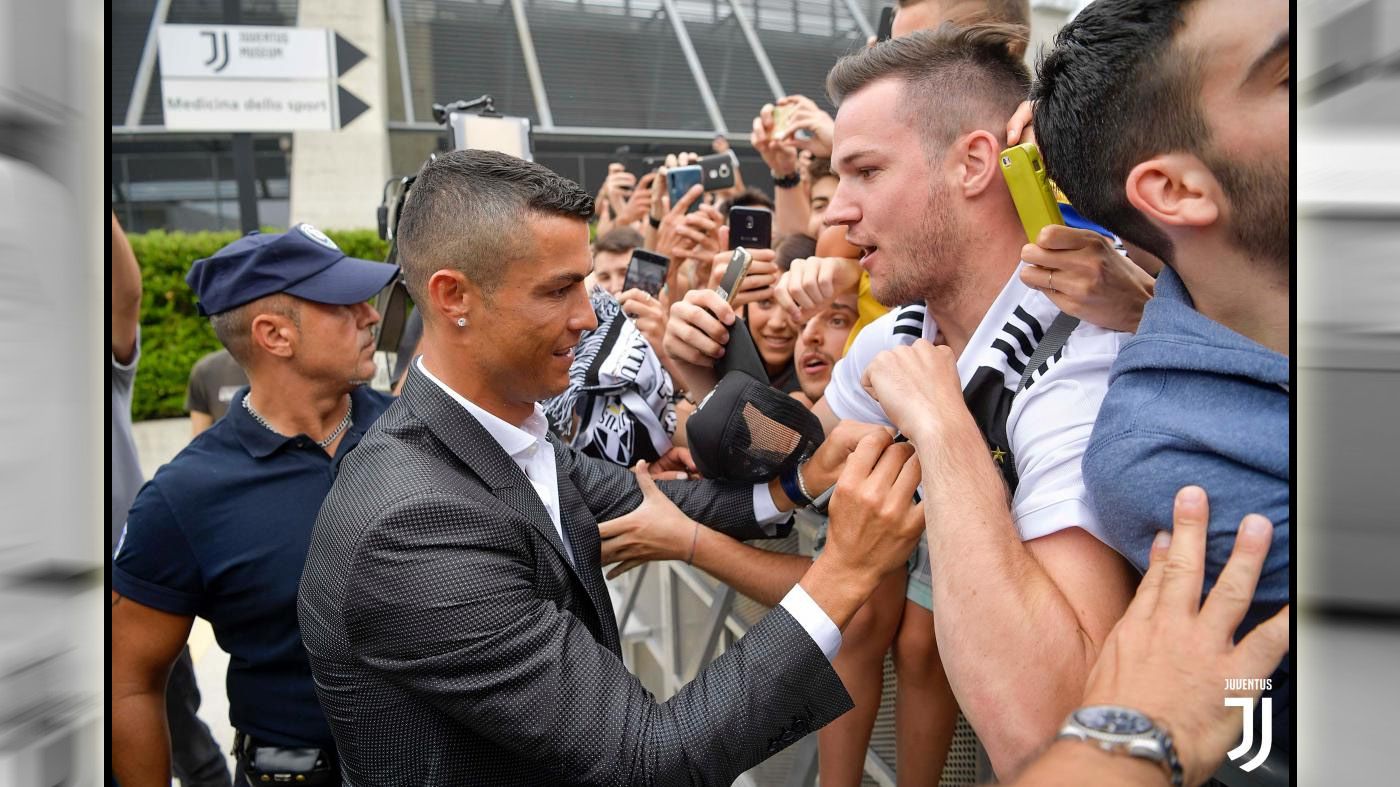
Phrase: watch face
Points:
(1110, 719)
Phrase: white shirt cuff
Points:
(765, 511)
(813, 620)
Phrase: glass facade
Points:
(614, 84)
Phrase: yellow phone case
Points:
(1031, 188)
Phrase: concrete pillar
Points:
(337, 177)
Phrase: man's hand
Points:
(821, 472)
(675, 464)
(780, 156)
(695, 337)
(874, 525)
(654, 530)
(918, 388)
(669, 242)
(1170, 655)
(1018, 128)
(1085, 276)
(805, 115)
(647, 313)
(617, 188)
(811, 284)
(638, 204)
(701, 229)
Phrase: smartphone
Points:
(739, 263)
(886, 28)
(678, 182)
(750, 227)
(740, 352)
(717, 170)
(1031, 189)
(646, 272)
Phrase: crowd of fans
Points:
(1048, 559)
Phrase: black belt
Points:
(266, 764)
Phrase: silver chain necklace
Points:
(330, 438)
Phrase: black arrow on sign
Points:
(347, 55)
(351, 107)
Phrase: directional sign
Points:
(233, 78)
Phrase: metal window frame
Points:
(141, 88)
(405, 80)
(759, 53)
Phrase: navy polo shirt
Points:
(222, 532)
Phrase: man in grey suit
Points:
(453, 602)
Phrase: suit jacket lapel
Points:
(582, 529)
(480, 452)
(484, 457)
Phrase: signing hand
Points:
(874, 521)
(1169, 655)
(1085, 276)
(654, 530)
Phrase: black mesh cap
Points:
(745, 431)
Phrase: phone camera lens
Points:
(1006, 161)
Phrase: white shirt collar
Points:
(513, 439)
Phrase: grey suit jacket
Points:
(452, 642)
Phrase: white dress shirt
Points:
(527, 447)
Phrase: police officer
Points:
(222, 530)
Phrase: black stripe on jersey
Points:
(1016, 333)
(1012, 360)
(908, 330)
(1031, 322)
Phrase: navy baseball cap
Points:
(301, 261)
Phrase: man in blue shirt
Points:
(1169, 122)
(222, 531)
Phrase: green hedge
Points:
(173, 334)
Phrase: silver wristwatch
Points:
(1117, 729)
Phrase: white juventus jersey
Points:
(1038, 436)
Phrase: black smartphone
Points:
(750, 227)
(646, 272)
(886, 27)
(717, 170)
(678, 182)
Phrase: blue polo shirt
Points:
(221, 532)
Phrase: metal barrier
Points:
(674, 619)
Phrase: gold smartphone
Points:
(1031, 188)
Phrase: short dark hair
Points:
(233, 327)
(820, 168)
(468, 211)
(618, 240)
(750, 197)
(956, 79)
(1110, 94)
(797, 246)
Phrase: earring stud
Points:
(461, 322)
